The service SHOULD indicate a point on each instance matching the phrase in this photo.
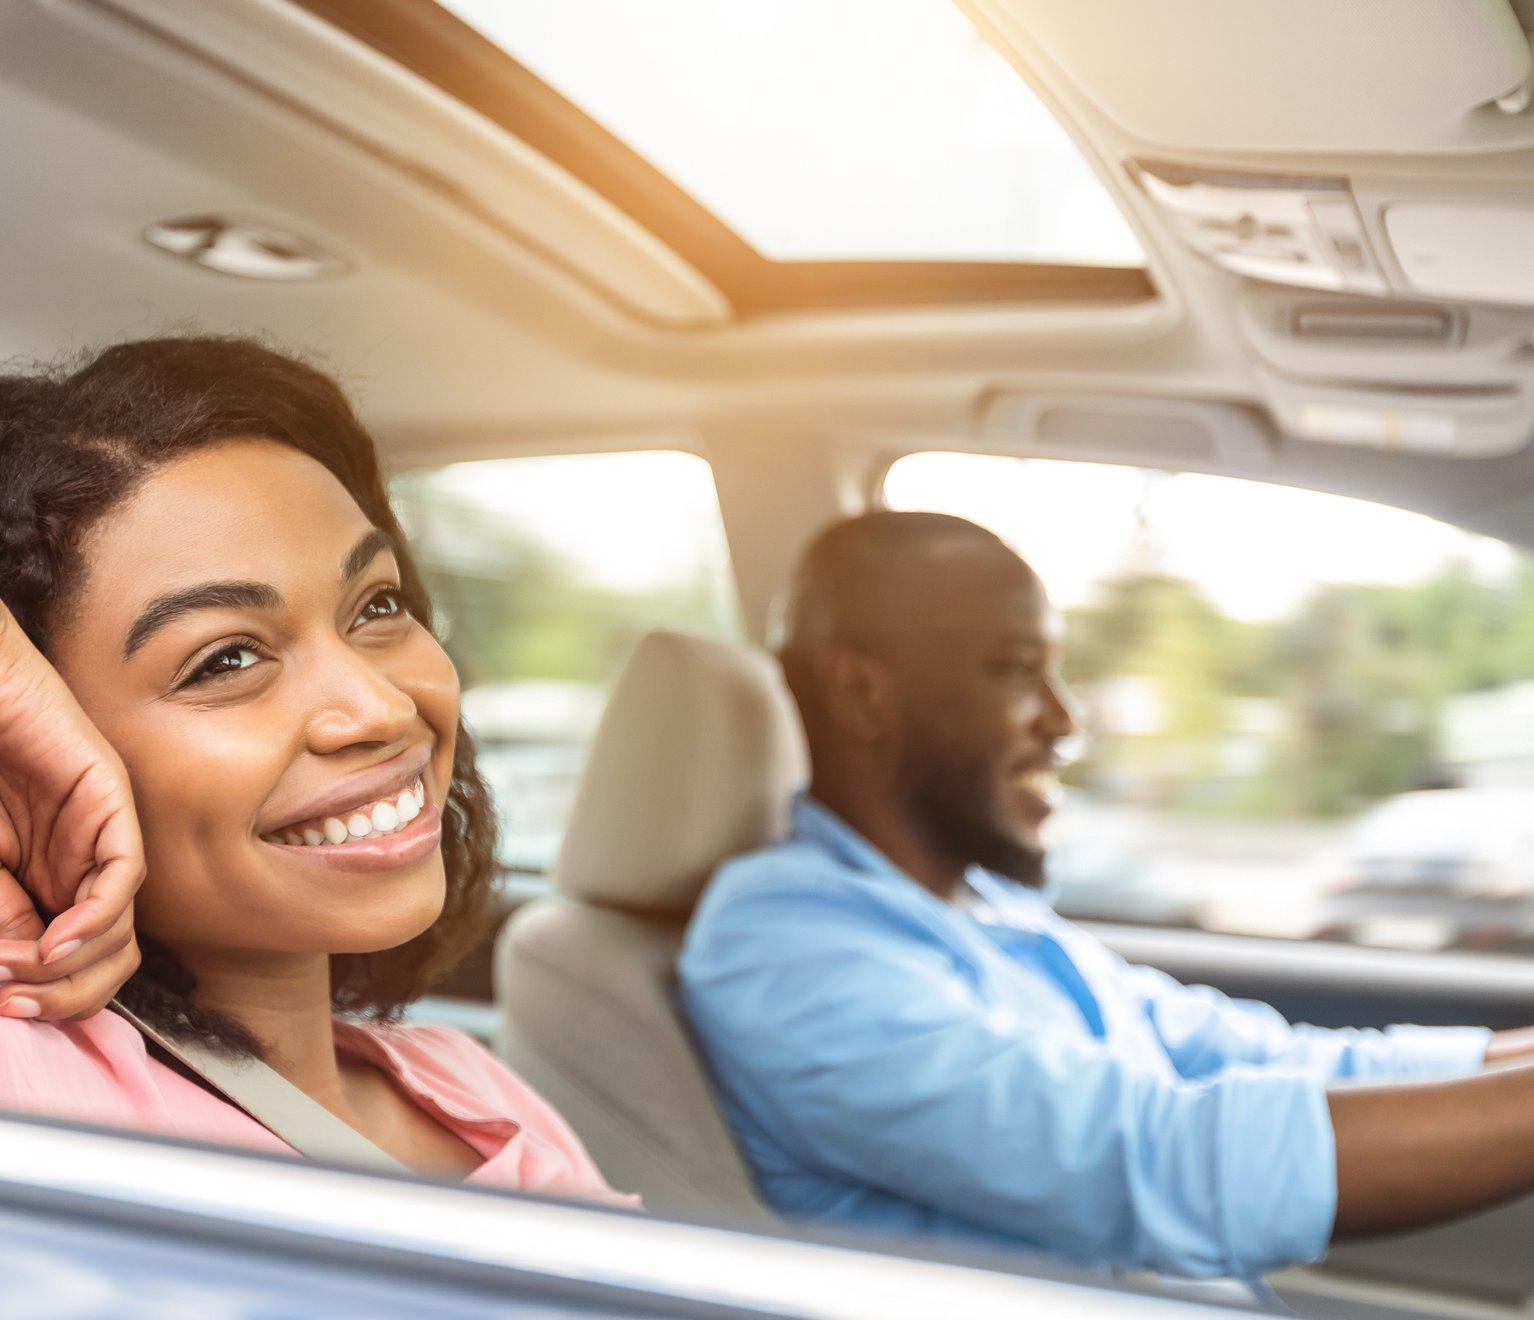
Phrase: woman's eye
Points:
(385, 604)
(228, 660)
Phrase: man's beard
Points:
(954, 801)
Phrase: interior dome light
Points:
(249, 249)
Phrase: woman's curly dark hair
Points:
(73, 444)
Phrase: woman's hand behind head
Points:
(69, 846)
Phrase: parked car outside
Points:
(1436, 869)
(1100, 868)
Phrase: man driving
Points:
(906, 1038)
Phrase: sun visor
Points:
(1306, 75)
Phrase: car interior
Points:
(1309, 268)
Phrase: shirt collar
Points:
(815, 823)
(1011, 903)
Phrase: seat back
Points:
(694, 761)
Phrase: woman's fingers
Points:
(26, 963)
(100, 904)
(18, 916)
(70, 845)
(74, 986)
(76, 967)
(72, 997)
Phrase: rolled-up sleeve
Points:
(1204, 1031)
(868, 1054)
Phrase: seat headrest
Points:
(696, 759)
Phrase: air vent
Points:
(1419, 325)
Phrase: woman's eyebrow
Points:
(373, 543)
(240, 595)
(206, 596)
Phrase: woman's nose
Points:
(359, 704)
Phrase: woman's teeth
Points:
(373, 821)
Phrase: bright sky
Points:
(636, 520)
(631, 520)
(1256, 549)
(826, 128)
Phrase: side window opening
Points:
(1307, 716)
(546, 571)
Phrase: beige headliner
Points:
(497, 306)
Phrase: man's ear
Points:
(859, 696)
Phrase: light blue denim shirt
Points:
(988, 1071)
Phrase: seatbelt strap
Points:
(273, 1101)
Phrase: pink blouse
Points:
(100, 1071)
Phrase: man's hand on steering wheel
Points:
(69, 846)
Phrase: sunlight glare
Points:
(1256, 549)
(600, 511)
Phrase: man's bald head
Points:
(890, 572)
(922, 653)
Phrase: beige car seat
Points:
(695, 760)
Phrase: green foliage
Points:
(513, 608)
(1316, 714)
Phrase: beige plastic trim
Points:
(404, 120)
(1141, 430)
(1464, 249)
(1306, 76)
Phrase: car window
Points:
(545, 572)
(927, 145)
(1304, 715)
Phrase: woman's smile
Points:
(369, 820)
(388, 802)
(378, 836)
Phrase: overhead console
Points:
(1379, 364)
(1458, 249)
(1364, 174)
(1314, 232)
(1287, 228)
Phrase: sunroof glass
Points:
(827, 130)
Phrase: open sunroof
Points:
(801, 153)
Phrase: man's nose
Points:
(1060, 712)
(359, 703)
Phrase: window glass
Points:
(827, 129)
(545, 572)
(1305, 715)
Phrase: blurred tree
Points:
(1316, 714)
(514, 608)
(1353, 685)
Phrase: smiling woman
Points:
(196, 535)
